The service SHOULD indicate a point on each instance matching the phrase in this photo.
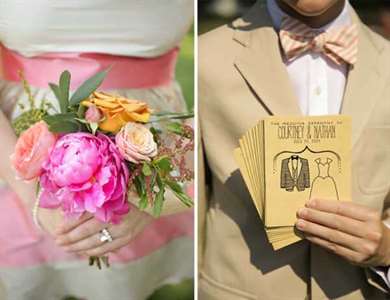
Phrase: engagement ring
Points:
(105, 236)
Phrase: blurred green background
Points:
(185, 68)
(185, 76)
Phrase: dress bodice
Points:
(323, 167)
(141, 28)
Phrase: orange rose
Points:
(31, 150)
(118, 111)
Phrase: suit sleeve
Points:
(380, 277)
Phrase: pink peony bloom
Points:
(93, 114)
(32, 150)
(136, 143)
(86, 173)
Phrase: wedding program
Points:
(285, 161)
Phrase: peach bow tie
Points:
(339, 45)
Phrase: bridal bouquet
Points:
(100, 149)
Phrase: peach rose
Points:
(135, 142)
(31, 150)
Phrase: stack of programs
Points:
(287, 161)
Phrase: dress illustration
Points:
(295, 173)
(324, 185)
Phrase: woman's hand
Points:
(84, 238)
(350, 230)
(50, 219)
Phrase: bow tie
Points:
(339, 45)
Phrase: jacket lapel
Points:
(365, 80)
(260, 62)
(269, 80)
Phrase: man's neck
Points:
(314, 21)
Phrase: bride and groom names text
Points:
(310, 130)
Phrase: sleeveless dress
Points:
(31, 265)
(324, 185)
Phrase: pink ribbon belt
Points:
(126, 72)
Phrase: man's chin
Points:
(311, 11)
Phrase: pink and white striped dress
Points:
(58, 37)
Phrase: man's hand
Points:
(350, 230)
(83, 237)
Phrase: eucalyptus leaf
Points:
(88, 87)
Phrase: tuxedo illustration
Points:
(295, 173)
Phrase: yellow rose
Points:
(117, 110)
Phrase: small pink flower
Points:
(86, 173)
(32, 150)
(136, 143)
(93, 114)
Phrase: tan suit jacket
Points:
(242, 79)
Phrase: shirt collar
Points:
(277, 16)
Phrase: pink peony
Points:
(32, 150)
(86, 173)
(136, 143)
(93, 114)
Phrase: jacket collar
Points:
(261, 65)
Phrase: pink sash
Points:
(126, 72)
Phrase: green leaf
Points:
(179, 193)
(141, 191)
(88, 87)
(174, 186)
(159, 201)
(81, 111)
(64, 88)
(64, 127)
(62, 123)
(146, 170)
(176, 128)
(60, 117)
(164, 164)
(57, 92)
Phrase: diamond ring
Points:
(105, 236)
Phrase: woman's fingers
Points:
(107, 247)
(82, 231)
(88, 243)
(69, 224)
